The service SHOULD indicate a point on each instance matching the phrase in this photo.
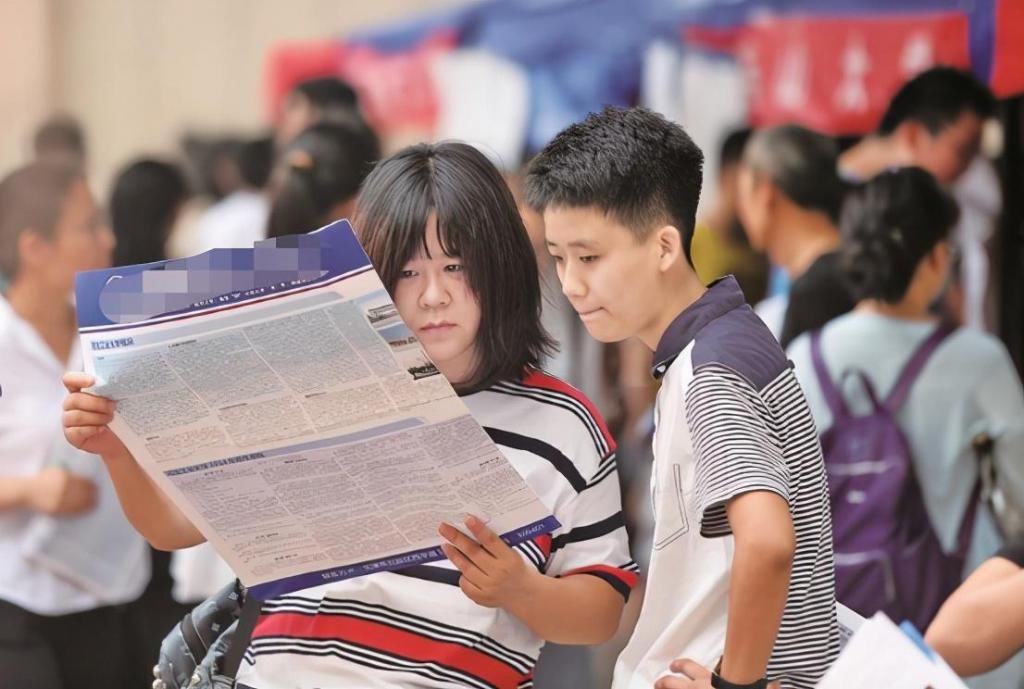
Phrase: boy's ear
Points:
(32, 248)
(769, 194)
(940, 256)
(910, 135)
(670, 246)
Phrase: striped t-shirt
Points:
(730, 419)
(416, 628)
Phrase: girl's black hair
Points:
(477, 221)
(143, 206)
(323, 167)
(889, 225)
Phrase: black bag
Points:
(1005, 510)
(204, 650)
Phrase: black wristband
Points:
(719, 683)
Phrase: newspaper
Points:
(880, 654)
(277, 397)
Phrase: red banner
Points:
(837, 75)
(397, 90)
(1008, 58)
(288, 64)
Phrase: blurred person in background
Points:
(55, 632)
(790, 195)
(239, 219)
(318, 176)
(60, 139)
(325, 99)
(146, 199)
(144, 205)
(720, 244)
(896, 255)
(935, 121)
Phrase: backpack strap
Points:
(901, 388)
(963, 536)
(833, 397)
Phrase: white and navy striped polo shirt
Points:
(416, 628)
(730, 419)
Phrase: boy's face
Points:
(608, 275)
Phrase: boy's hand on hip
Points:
(493, 574)
(690, 675)
(693, 676)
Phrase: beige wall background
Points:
(139, 73)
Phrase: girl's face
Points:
(434, 298)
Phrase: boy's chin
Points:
(608, 333)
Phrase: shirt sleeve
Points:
(592, 538)
(736, 449)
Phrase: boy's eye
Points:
(454, 268)
(407, 274)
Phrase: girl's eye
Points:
(407, 274)
(588, 259)
(558, 259)
(454, 268)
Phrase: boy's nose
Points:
(572, 286)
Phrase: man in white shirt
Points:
(58, 628)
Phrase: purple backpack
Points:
(887, 554)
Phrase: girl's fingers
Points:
(75, 381)
(83, 401)
(77, 417)
(79, 434)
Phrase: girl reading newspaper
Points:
(443, 231)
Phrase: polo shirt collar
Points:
(721, 297)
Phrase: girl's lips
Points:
(437, 327)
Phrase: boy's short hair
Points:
(633, 164)
(936, 98)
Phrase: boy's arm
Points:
(742, 487)
(759, 582)
(579, 609)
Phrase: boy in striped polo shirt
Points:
(740, 591)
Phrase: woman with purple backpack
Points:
(900, 401)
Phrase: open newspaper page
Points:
(277, 397)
